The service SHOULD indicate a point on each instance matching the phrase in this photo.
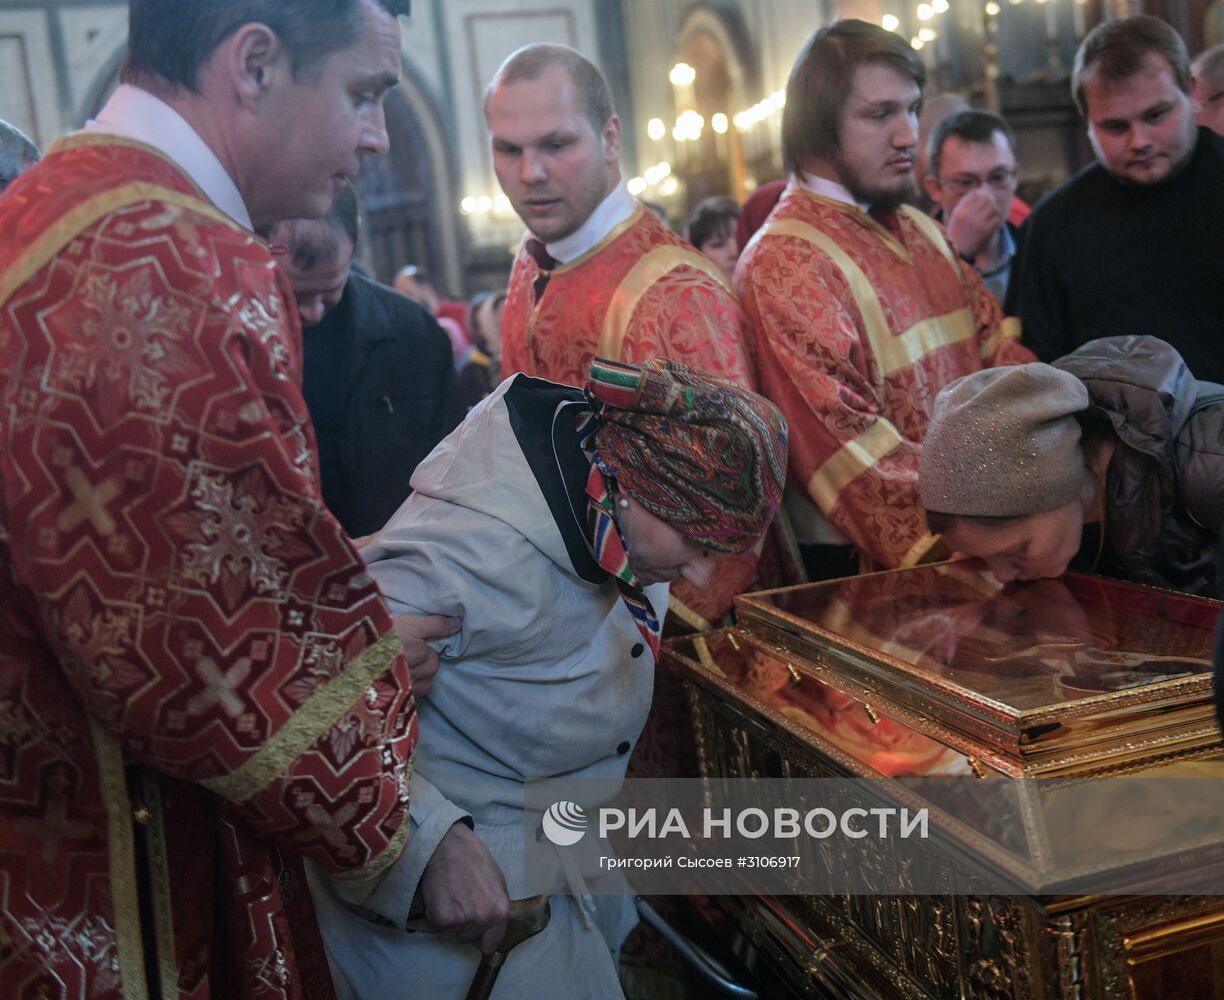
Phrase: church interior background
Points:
(699, 88)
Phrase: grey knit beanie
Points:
(1004, 442)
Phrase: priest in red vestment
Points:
(200, 685)
(862, 309)
(599, 275)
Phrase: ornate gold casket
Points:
(940, 670)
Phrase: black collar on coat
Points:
(544, 417)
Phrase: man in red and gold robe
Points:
(861, 307)
(200, 685)
(599, 275)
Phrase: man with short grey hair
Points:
(17, 153)
(207, 687)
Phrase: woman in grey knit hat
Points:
(1111, 460)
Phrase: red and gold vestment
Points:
(642, 292)
(858, 328)
(199, 682)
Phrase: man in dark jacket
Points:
(379, 380)
(1130, 244)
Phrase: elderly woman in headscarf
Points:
(551, 523)
(1111, 460)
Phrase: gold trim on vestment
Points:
(643, 276)
(863, 219)
(1007, 330)
(892, 353)
(933, 232)
(875, 325)
(919, 550)
(88, 140)
(79, 218)
(159, 883)
(617, 231)
(924, 338)
(687, 614)
(395, 846)
(532, 320)
(930, 229)
(121, 844)
(850, 461)
(319, 713)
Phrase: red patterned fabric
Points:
(173, 596)
(613, 303)
(857, 389)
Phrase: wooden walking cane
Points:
(527, 918)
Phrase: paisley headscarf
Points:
(704, 455)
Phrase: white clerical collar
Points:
(132, 113)
(612, 211)
(828, 189)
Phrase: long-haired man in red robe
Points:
(862, 309)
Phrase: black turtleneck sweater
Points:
(1100, 258)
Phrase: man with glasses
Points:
(972, 180)
(1131, 244)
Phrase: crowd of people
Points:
(303, 576)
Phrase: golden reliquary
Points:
(942, 671)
